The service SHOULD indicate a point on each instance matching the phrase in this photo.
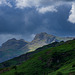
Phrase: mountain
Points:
(18, 60)
(56, 60)
(13, 48)
(13, 44)
(44, 39)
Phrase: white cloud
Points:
(30, 3)
(0, 2)
(42, 6)
(5, 2)
(46, 9)
(32, 36)
(27, 3)
(72, 15)
(36, 3)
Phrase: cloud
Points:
(37, 3)
(28, 21)
(27, 3)
(41, 6)
(23, 21)
(72, 15)
(5, 2)
(30, 3)
(46, 9)
(33, 35)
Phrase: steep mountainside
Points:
(13, 47)
(58, 60)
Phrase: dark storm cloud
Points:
(18, 21)
(29, 21)
(10, 20)
(24, 23)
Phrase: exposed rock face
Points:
(13, 47)
(44, 36)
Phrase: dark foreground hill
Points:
(58, 60)
(13, 48)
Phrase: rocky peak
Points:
(42, 36)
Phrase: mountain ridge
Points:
(13, 48)
(43, 38)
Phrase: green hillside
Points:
(18, 60)
(58, 60)
(14, 48)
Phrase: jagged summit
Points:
(42, 35)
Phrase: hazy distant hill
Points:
(13, 44)
(13, 47)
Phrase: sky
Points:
(23, 19)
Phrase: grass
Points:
(51, 61)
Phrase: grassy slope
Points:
(49, 62)
(24, 57)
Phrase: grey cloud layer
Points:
(29, 3)
(29, 21)
(24, 23)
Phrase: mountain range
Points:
(57, 58)
(13, 48)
